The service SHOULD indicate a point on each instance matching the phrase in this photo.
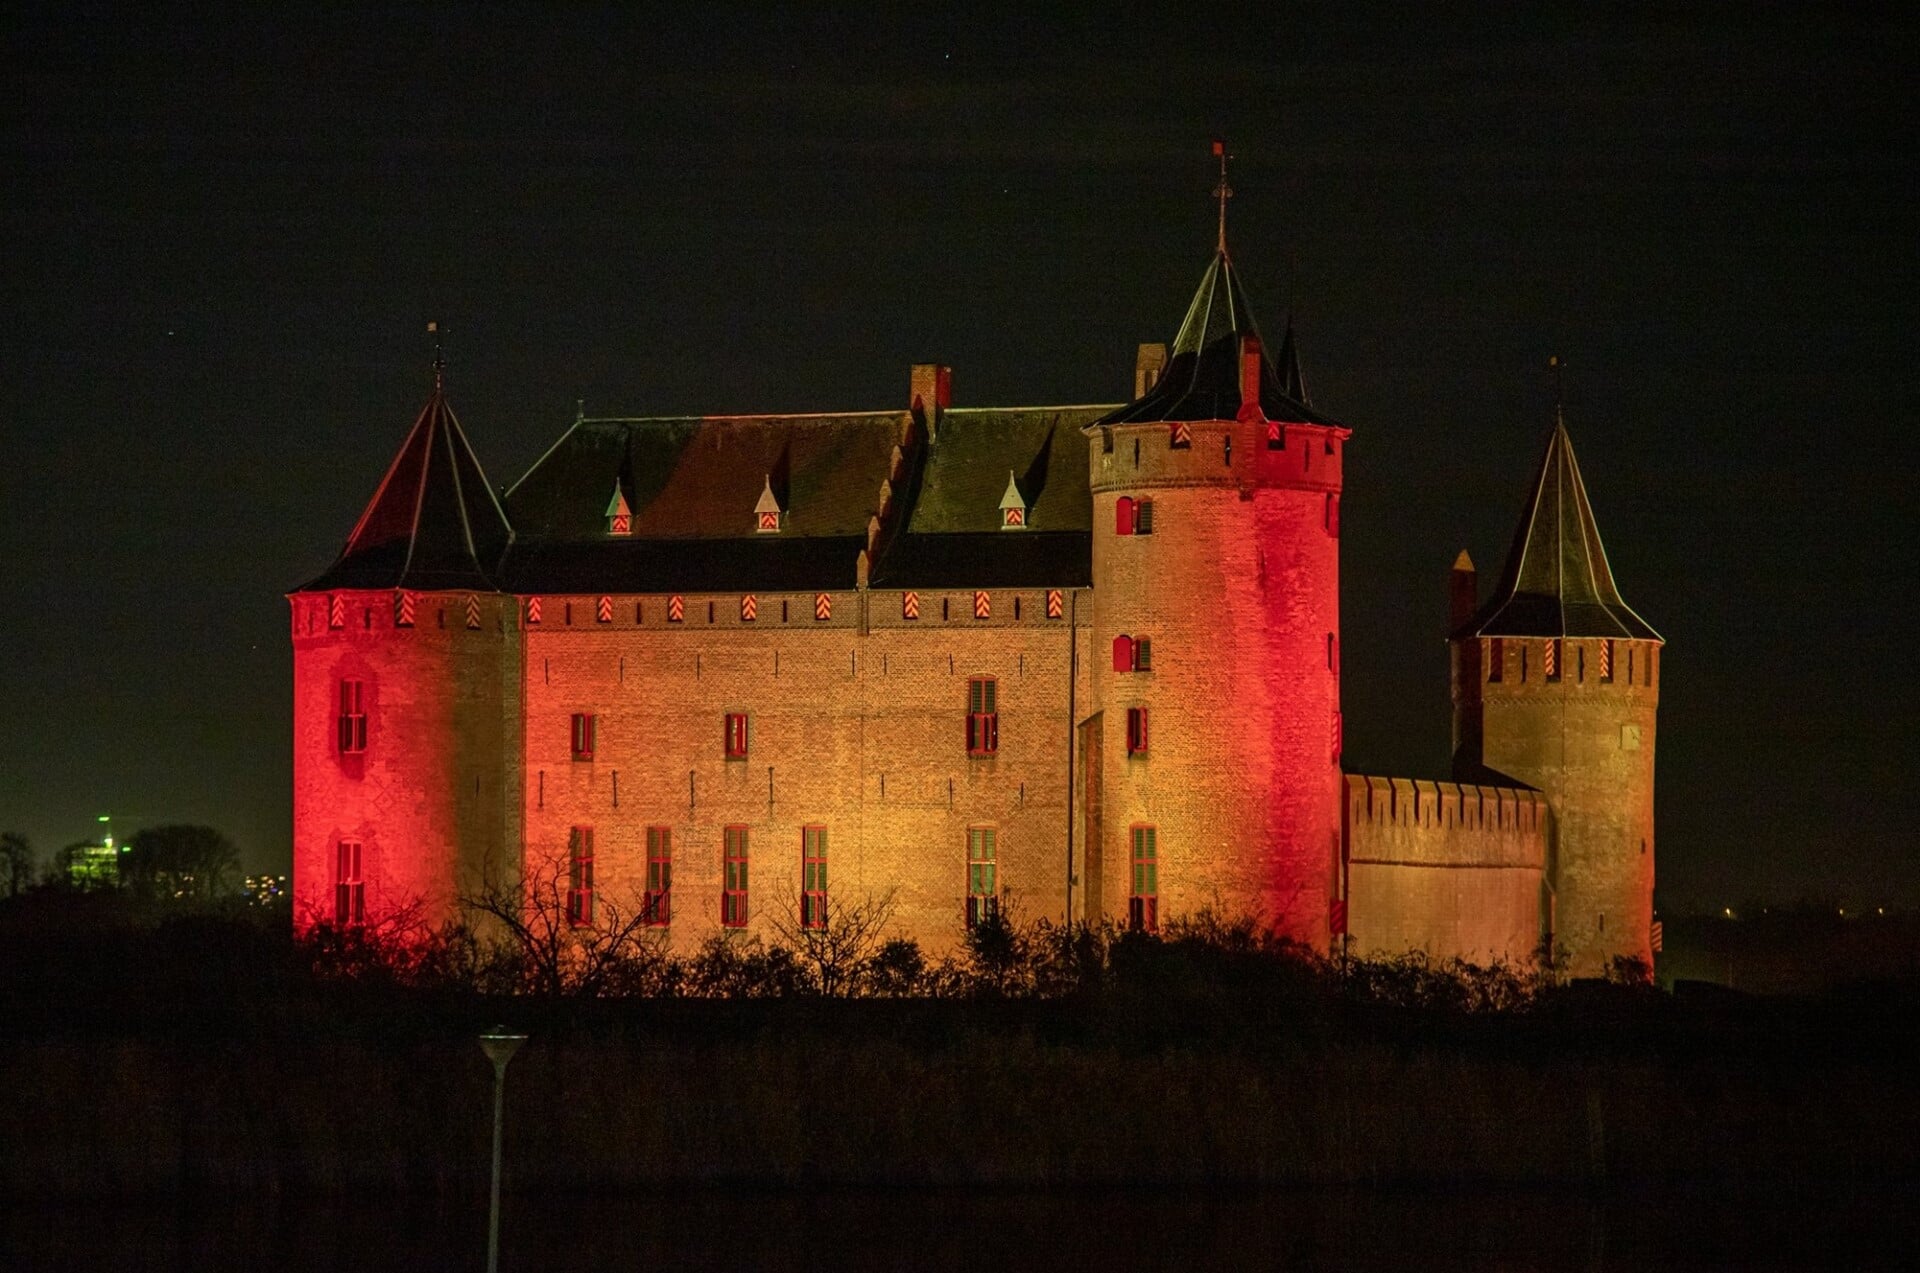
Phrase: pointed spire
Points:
(619, 513)
(1222, 192)
(1013, 506)
(434, 523)
(1557, 581)
(767, 512)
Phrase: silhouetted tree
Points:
(16, 863)
(180, 862)
(837, 953)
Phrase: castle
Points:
(727, 673)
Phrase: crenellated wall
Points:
(1452, 869)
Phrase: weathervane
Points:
(1558, 366)
(1223, 191)
(439, 357)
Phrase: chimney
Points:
(1250, 379)
(930, 391)
(1463, 593)
(1149, 364)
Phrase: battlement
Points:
(1414, 821)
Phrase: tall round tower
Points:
(406, 694)
(1556, 682)
(1212, 765)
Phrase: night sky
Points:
(223, 243)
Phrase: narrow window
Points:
(1496, 660)
(583, 735)
(1143, 517)
(1136, 453)
(1136, 731)
(349, 888)
(983, 894)
(1580, 663)
(1550, 659)
(1123, 515)
(1629, 665)
(736, 735)
(580, 877)
(1333, 515)
(1333, 653)
(1525, 652)
(1143, 654)
(353, 717)
(733, 896)
(1143, 904)
(1123, 653)
(658, 904)
(813, 877)
(983, 716)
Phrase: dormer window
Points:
(767, 513)
(619, 515)
(1013, 507)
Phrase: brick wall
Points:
(1455, 871)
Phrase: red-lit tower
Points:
(406, 695)
(1211, 773)
(1556, 684)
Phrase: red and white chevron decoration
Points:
(769, 520)
(603, 611)
(1336, 738)
(749, 608)
(1013, 516)
(982, 606)
(1606, 660)
(1056, 603)
(910, 605)
(533, 609)
(823, 606)
(676, 609)
(403, 608)
(336, 612)
(1182, 435)
(1273, 432)
(473, 612)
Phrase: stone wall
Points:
(1456, 871)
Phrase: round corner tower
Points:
(405, 697)
(1556, 684)
(1216, 570)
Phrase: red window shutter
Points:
(1123, 515)
(1123, 654)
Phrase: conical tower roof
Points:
(434, 523)
(1202, 380)
(1557, 582)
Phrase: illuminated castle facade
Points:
(728, 674)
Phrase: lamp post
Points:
(499, 1044)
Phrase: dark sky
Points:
(223, 241)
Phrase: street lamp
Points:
(499, 1044)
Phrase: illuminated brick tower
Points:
(1213, 765)
(1556, 682)
(406, 695)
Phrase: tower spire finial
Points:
(439, 357)
(1222, 192)
(1558, 365)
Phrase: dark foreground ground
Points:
(209, 1077)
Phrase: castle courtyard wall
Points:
(1455, 870)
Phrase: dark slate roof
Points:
(693, 483)
(1202, 379)
(434, 522)
(988, 559)
(1557, 581)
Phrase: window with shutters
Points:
(983, 885)
(352, 728)
(1143, 517)
(1132, 654)
(349, 888)
(1143, 902)
(580, 877)
(584, 729)
(1123, 515)
(983, 716)
(657, 906)
(1136, 731)
(813, 877)
(733, 885)
(737, 735)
